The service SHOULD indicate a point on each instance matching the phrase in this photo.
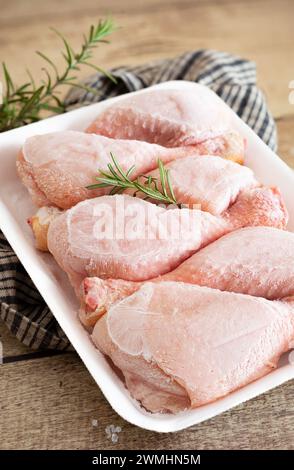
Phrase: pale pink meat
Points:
(211, 183)
(253, 260)
(167, 117)
(213, 343)
(57, 167)
(203, 182)
(126, 237)
(129, 238)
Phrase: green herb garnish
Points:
(27, 103)
(119, 181)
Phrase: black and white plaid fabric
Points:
(232, 78)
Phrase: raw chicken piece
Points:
(57, 167)
(230, 145)
(128, 238)
(211, 183)
(213, 343)
(171, 118)
(253, 260)
(40, 225)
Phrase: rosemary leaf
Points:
(101, 70)
(130, 171)
(8, 81)
(50, 62)
(26, 103)
(118, 181)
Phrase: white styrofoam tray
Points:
(16, 206)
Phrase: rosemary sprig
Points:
(119, 181)
(27, 103)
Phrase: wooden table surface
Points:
(51, 402)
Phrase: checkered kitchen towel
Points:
(233, 79)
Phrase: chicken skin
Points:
(182, 346)
(128, 238)
(253, 260)
(173, 118)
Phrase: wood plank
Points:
(10, 345)
(51, 404)
(157, 29)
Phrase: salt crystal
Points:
(112, 432)
(108, 431)
(114, 438)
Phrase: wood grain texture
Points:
(50, 403)
(10, 346)
(261, 30)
